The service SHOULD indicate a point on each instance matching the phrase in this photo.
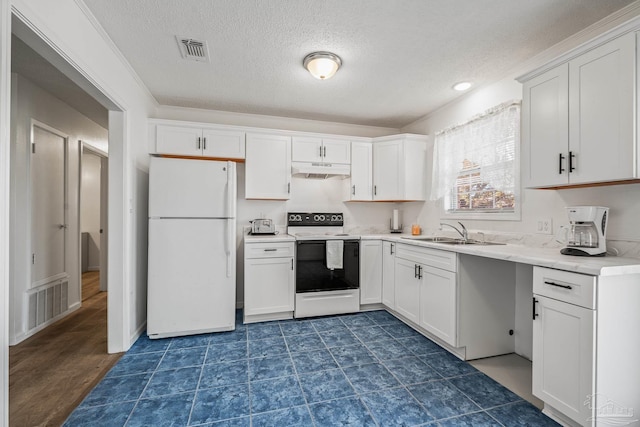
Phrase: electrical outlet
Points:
(544, 225)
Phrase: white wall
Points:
(90, 207)
(31, 102)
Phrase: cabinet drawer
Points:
(427, 256)
(574, 288)
(268, 250)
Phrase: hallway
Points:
(51, 372)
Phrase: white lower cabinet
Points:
(388, 274)
(269, 281)
(407, 287)
(438, 302)
(370, 272)
(564, 342)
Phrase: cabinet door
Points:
(438, 312)
(370, 271)
(336, 151)
(407, 290)
(268, 167)
(306, 149)
(545, 129)
(361, 171)
(601, 105)
(223, 144)
(268, 286)
(178, 140)
(386, 170)
(563, 356)
(388, 275)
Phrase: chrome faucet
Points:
(463, 233)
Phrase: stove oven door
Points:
(312, 274)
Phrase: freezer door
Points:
(192, 278)
(184, 188)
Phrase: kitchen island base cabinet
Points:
(269, 286)
(407, 286)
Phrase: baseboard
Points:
(93, 268)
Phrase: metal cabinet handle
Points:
(199, 139)
(292, 263)
(270, 249)
(558, 285)
(560, 159)
(375, 190)
(204, 143)
(321, 151)
(534, 308)
(324, 151)
(353, 190)
(571, 157)
(415, 271)
(288, 188)
(392, 248)
(419, 272)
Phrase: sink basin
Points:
(453, 241)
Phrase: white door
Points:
(388, 274)
(545, 128)
(179, 140)
(191, 281)
(563, 356)
(407, 290)
(306, 149)
(184, 188)
(438, 303)
(370, 272)
(602, 88)
(386, 171)
(104, 223)
(224, 144)
(268, 167)
(269, 286)
(48, 201)
(336, 151)
(361, 171)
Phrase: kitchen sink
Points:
(453, 241)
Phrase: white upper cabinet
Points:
(361, 182)
(196, 141)
(268, 167)
(321, 150)
(399, 168)
(578, 118)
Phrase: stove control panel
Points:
(315, 218)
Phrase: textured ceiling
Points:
(400, 58)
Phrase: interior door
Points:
(48, 201)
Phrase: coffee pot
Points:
(587, 230)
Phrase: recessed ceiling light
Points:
(462, 86)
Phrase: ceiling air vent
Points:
(194, 50)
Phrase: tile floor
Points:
(365, 369)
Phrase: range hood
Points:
(320, 170)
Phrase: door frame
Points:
(104, 205)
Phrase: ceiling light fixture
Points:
(462, 86)
(322, 65)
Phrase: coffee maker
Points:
(587, 231)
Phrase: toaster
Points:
(263, 226)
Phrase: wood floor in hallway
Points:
(51, 372)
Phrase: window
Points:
(476, 166)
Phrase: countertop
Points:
(544, 257)
(268, 238)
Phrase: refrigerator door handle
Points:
(228, 245)
(231, 185)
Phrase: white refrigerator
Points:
(192, 247)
